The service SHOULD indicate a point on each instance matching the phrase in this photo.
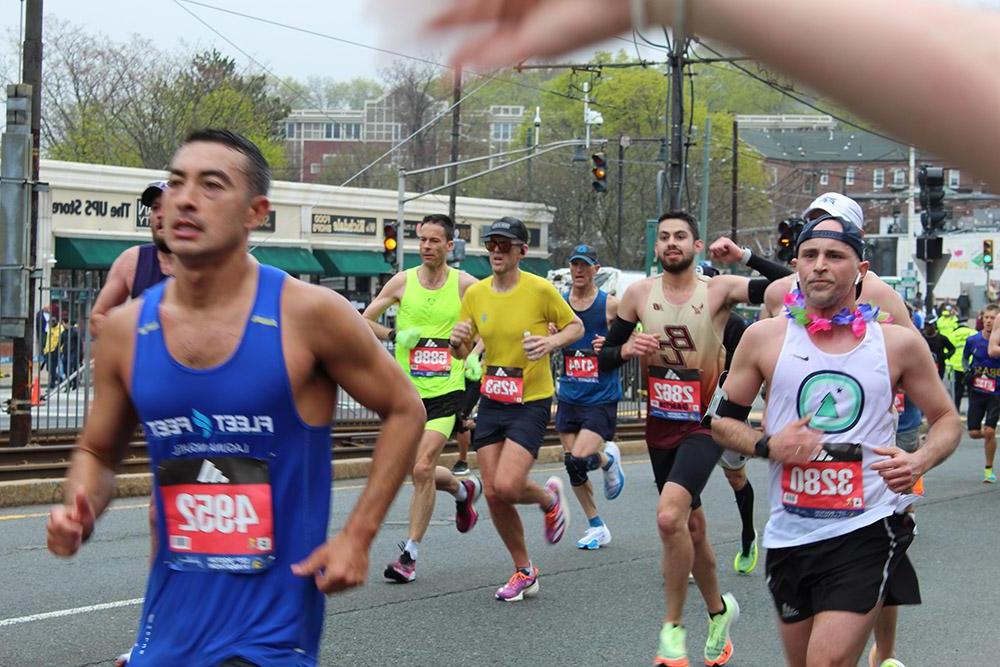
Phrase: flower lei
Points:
(795, 309)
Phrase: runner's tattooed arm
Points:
(90, 483)
(390, 294)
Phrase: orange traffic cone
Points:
(36, 393)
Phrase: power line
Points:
(399, 54)
(801, 100)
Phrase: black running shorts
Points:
(851, 572)
(690, 464)
(982, 407)
(524, 423)
(602, 419)
(444, 405)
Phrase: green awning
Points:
(83, 253)
(476, 265)
(297, 261)
(352, 262)
(410, 260)
(536, 265)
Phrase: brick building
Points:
(808, 155)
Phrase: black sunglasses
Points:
(501, 245)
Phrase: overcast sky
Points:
(284, 51)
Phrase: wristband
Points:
(761, 449)
(392, 335)
(747, 254)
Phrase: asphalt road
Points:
(595, 608)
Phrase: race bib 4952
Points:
(218, 513)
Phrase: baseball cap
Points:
(585, 252)
(152, 191)
(838, 205)
(508, 227)
(851, 234)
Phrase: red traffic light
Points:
(600, 171)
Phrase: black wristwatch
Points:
(761, 449)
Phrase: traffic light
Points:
(988, 254)
(389, 244)
(788, 232)
(933, 213)
(600, 171)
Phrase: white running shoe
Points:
(614, 476)
(595, 538)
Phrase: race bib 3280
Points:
(829, 487)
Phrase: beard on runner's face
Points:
(676, 264)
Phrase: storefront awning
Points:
(83, 253)
(410, 260)
(352, 262)
(536, 265)
(297, 261)
(476, 265)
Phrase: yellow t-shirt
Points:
(501, 318)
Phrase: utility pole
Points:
(20, 422)
(534, 134)
(736, 180)
(677, 166)
(705, 176)
(623, 143)
(456, 117)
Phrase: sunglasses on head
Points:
(501, 245)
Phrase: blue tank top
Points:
(242, 492)
(147, 270)
(984, 370)
(581, 383)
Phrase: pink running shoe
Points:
(465, 510)
(519, 586)
(557, 517)
(403, 570)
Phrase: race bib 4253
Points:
(218, 513)
(504, 384)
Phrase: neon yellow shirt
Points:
(501, 318)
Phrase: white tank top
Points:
(851, 401)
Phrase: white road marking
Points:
(69, 612)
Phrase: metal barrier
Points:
(62, 373)
(62, 378)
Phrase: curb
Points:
(134, 485)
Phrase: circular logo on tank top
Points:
(835, 400)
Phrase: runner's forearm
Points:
(610, 356)
(765, 267)
(942, 438)
(735, 435)
(94, 475)
(568, 335)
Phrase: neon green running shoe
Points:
(989, 477)
(718, 646)
(746, 564)
(891, 662)
(672, 651)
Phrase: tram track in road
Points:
(48, 457)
